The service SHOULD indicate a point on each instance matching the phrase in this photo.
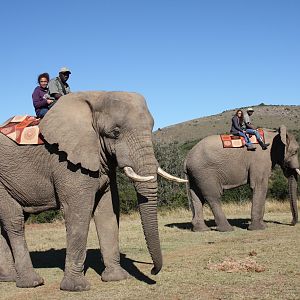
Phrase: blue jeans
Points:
(254, 132)
(245, 136)
(42, 112)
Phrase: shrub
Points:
(127, 194)
(46, 216)
(173, 195)
(239, 194)
(170, 158)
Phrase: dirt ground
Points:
(237, 265)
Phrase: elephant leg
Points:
(12, 221)
(77, 220)
(7, 265)
(196, 204)
(106, 221)
(258, 206)
(220, 218)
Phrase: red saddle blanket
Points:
(24, 130)
(233, 141)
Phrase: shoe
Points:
(250, 147)
(265, 146)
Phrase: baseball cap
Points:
(250, 109)
(64, 70)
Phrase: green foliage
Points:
(172, 195)
(185, 147)
(171, 158)
(278, 186)
(127, 194)
(45, 216)
(239, 194)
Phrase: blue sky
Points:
(189, 58)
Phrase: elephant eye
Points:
(116, 132)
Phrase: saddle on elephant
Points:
(24, 130)
(235, 141)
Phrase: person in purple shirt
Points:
(40, 97)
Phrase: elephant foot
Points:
(257, 226)
(29, 280)
(200, 227)
(224, 228)
(115, 273)
(75, 283)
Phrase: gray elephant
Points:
(87, 135)
(210, 169)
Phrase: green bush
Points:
(171, 158)
(45, 216)
(278, 185)
(127, 194)
(173, 195)
(239, 194)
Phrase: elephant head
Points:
(284, 152)
(101, 130)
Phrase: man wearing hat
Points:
(250, 129)
(247, 118)
(58, 86)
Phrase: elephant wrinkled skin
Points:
(87, 135)
(210, 169)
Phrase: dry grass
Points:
(210, 265)
(232, 265)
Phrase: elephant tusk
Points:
(298, 171)
(166, 175)
(135, 177)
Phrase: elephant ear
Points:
(283, 134)
(69, 124)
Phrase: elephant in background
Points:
(87, 135)
(211, 169)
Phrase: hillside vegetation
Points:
(268, 116)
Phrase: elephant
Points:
(211, 169)
(86, 135)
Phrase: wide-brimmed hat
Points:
(250, 109)
(64, 70)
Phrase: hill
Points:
(268, 116)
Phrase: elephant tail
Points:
(187, 185)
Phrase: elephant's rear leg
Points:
(7, 266)
(213, 199)
(211, 192)
(196, 203)
(12, 221)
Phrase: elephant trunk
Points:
(292, 179)
(141, 166)
(147, 202)
(148, 212)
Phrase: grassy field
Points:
(211, 265)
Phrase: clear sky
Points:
(189, 58)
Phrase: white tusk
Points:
(298, 171)
(131, 174)
(166, 175)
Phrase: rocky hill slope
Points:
(268, 116)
